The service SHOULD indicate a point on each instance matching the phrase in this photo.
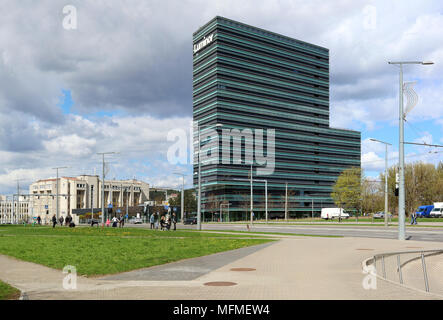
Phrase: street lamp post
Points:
(103, 183)
(286, 202)
(401, 187)
(266, 192)
(386, 178)
(199, 225)
(57, 192)
(221, 215)
(183, 194)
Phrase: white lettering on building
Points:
(203, 43)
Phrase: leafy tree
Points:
(190, 201)
(347, 191)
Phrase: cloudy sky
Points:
(122, 79)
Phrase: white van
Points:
(331, 213)
(437, 212)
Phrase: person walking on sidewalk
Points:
(61, 221)
(54, 221)
(174, 221)
(414, 218)
(152, 220)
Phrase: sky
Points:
(121, 80)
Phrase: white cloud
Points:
(131, 59)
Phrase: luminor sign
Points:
(206, 40)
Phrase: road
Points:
(416, 233)
(345, 230)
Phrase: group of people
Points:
(165, 221)
(120, 221)
(68, 221)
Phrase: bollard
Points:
(383, 266)
(399, 269)
(425, 274)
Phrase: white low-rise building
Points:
(14, 210)
(84, 192)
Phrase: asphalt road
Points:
(416, 233)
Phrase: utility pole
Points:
(16, 211)
(401, 191)
(252, 198)
(286, 202)
(103, 183)
(127, 202)
(312, 210)
(183, 195)
(199, 225)
(57, 192)
(386, 177)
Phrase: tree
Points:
(346, 192)
(190, 202)
(372, 196)
(423, 185)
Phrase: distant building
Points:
(84, 192)
(13, 211)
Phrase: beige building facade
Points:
(14, 211)
(83, 192)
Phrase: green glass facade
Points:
(248, 78)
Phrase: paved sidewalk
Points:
(292, 268)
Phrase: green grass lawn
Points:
(7, 292)
(97, 251)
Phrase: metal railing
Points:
(422, 270)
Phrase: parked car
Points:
(424, 211)
(437, 212)
(331, 213)
(379, 215)
(135, 220)
(190, 220)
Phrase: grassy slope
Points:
(7, 292)
(95, 251)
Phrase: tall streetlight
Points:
(183, 194)
(252, 194)
(57, 192)
(386, 177)
(401, 187)
(199, 225)
(103, 183)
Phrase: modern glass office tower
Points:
(251, 79)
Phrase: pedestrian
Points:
(107, 222)
(122, 221)
(414, 218)
(39, 220)
(61, 220)
(68, 219)
(157, 222)
(54, 221)
(174, 221)
(114, 222)
(152, 220)
(162, 223)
